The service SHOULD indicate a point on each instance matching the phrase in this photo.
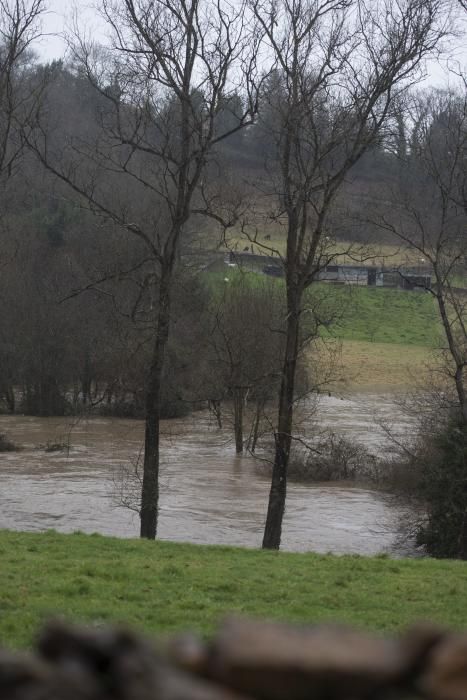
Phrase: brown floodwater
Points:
(208, 494)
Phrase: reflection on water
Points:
(208, 495)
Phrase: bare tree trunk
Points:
(462, 552)
(11, 399)
(150, 489)
(258, 413)
(216, 407)
(239, 396)
(283, 438)
(327, 107)
(86, 380)
(8, 394)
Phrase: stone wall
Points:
(245, 659)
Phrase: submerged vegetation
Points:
(334, 458)
(7, 445)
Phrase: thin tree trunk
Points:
(86, 379)
(109, 395)
(239, 395)
(10, 399)
(283, 438)
(216, 408)
(150, 489)
(462, 551)
(218, 412)
(259, 411)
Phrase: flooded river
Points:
(208, 495)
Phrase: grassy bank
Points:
(382, 366)
(164, 587)
(365, 314)
(388, 337)
(380, 315)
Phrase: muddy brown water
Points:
(208, 495)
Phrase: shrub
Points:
(334, 458)
(6, 445)
(57, 447)
(443, 488)
(432, 474)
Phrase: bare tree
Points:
(19, 27)
(244, 341)
(338, 66)
(160, 90)
(429, 215)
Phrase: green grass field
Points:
(384, 366)
(370, 314)
(383, 315)
(164, 587)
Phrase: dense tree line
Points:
(74, 299)
(62, 350)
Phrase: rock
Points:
(246, 661)
(189, 653)
(23, 678)
(445, 677)
(111, 664)
(418, 642)
(278, 662)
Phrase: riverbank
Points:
(165, 587)
(388, 367)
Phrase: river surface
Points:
(208, 495)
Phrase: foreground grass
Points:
(165, 587)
